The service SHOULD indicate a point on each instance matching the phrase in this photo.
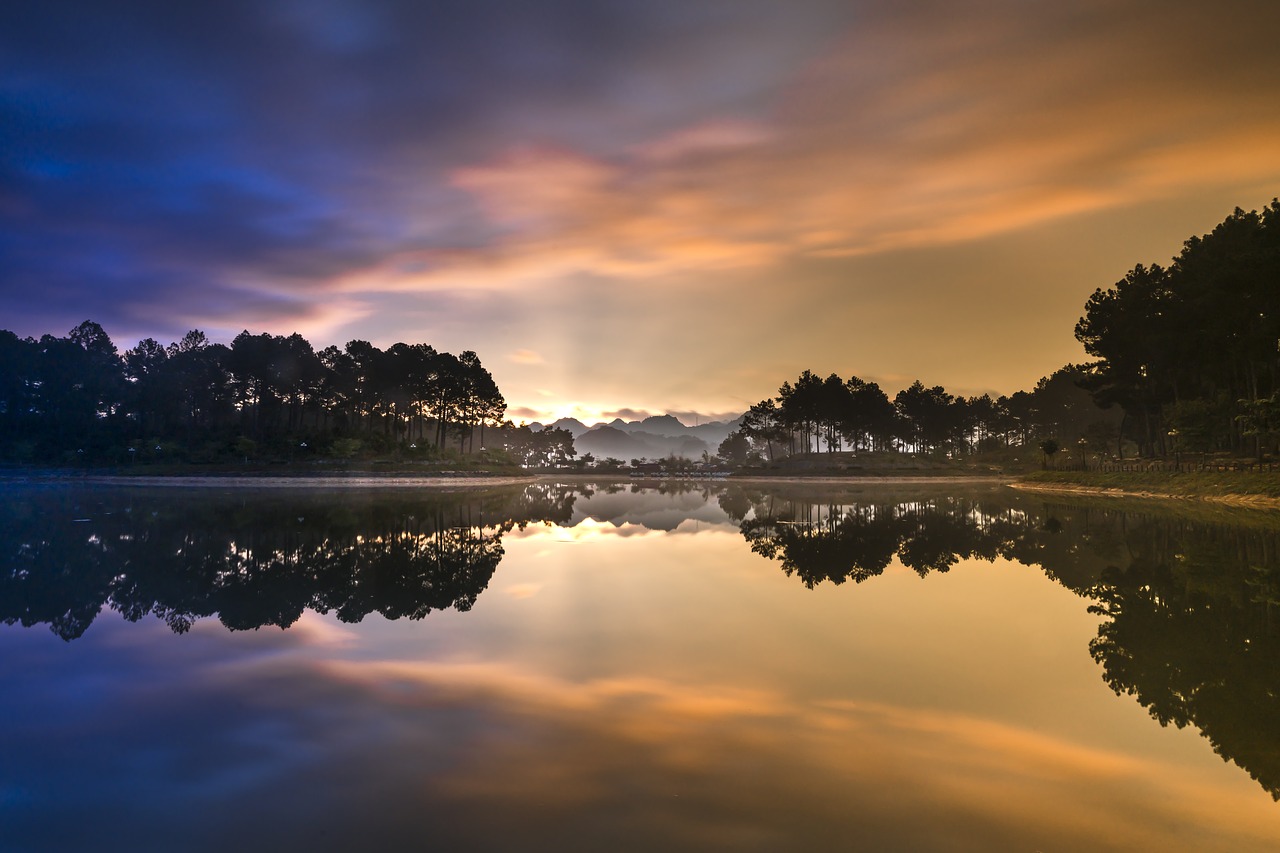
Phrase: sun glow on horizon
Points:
(592, 414)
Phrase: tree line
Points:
(1187, 358)
(815, 415)
(1190, 353)
(78, 397)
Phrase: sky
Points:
(625, 207)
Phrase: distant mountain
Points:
(573, 425)
(605, 441)
(655, 437)
(715, 432)
(667, 425)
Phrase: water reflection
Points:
(1186, 598)
(1189, 601)
(832, 541)
(254, 559)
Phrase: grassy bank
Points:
(1199, 484)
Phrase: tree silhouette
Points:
(1202, 329)
(76, 398)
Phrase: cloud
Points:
(627, 414)
(525, 356)
(492, 173)
(524, 413)
(914, 130)
(691, 418)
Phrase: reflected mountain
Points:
(252, 558)
(1190, 601)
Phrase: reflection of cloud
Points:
(312, 629)
(523, 590)
(765, 762)
(484, 752)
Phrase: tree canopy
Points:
(63, 399)
(815, 415)
(1191, 352)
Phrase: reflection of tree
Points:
(850, 545)
(839, 541)
(1191, 634)
(255, 560)
(1190, 626)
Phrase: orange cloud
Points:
(915, 130)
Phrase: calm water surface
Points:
(625, 668)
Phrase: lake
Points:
(570, 667)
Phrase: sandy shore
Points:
(894, 480)
(1251, 501)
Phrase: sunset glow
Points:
(652, 207)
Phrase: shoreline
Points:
(468, 481)
(889, 479)
(1238, 500)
